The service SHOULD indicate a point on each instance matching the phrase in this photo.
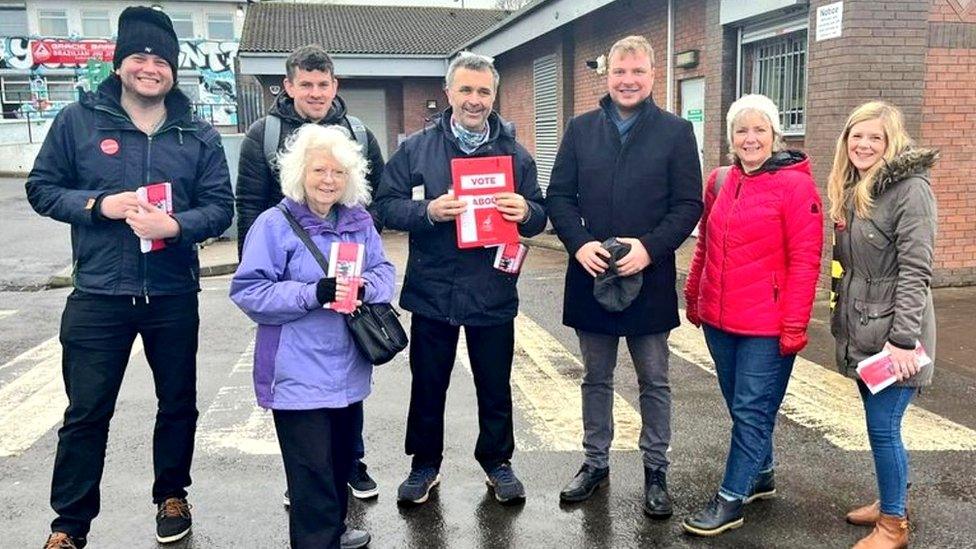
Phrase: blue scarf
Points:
(624, 125)
(469, 140)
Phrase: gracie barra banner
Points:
(70, 52)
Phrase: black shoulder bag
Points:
(374, 326)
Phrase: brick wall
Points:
(949, 123)
(719, 70)
(416, 92)
(516, 90)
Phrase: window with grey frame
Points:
(779, 71)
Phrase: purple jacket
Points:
(304, 356)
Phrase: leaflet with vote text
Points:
(476, 180)
(877, 372)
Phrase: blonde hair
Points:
(844, 183)
(332, 140)
(632, 44)
(756, 103)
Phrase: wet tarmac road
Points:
(238, 480)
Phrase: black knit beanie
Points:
(146, 30)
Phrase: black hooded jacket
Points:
(258, 187)
(92, 150)
(442, 282)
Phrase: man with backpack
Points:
(310, 97)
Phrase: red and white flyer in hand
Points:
(159, 195)
(509, 257)
(346, 263)
(476, 180)
(877, 372)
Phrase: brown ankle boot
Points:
(889, 533)
(865, 516)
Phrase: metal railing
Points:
(30, 127)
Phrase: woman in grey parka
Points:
(884, 215)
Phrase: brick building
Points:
(391, 60)
(918, 54)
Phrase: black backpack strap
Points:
(302, 235)
(272, 134)
(358, 130)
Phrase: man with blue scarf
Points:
(446, 288)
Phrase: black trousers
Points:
(97, 333)
(317, 449)
(433, 348)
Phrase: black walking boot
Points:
(657, 501)
(719, 515)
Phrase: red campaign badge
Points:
(109, 146)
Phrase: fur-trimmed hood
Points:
(907, 164)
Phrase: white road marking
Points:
(221, 426)
(826, 401)
(35, 400)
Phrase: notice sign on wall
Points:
(830, 21)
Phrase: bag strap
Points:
(358, 130)
(720, 177)
(272, 133)
(302, 235)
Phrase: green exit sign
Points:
(695, 115)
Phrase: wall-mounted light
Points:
(432, 104)
(156, 7)
(599, 64)
(687, 59)
(240, 11)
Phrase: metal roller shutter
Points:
(546, 106)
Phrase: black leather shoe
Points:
(586, 481)
(657, 501)
(765, 487)
(719, 515)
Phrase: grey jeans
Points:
(650, 355)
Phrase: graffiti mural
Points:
(213, 60)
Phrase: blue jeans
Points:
(884, 412)
(753, 377)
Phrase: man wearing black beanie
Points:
(136, 133)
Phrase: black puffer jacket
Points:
(258, 187)
(442, 282)
(92, 150)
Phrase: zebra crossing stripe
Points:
(827, 402)
(35, 400)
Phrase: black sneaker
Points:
(584, 483)
(60, 540)
(765, 487)
(416, 488)
(354, 539)
(506, 486)
(361, 484)
(657, 501)
(173, 520)
(719, 515)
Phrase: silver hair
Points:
(759, 104)
(472, 62)
(335, 141)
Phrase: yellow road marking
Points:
(826, 401)
(551, 401)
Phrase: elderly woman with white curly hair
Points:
(751, 288)
(307, 369)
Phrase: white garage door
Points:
(369, 105)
